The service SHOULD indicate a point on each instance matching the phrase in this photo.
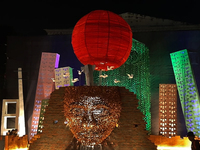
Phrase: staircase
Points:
(54, 136)
(129, 135)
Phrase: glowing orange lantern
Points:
(102, 38)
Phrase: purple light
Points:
(190, 84)
(189, 120)
(57, 60)
(194, 100)
(188, 111)
(191, 124)
(59, 86)
(189, 115)
(192, 92)
(195, 105)
(191, 88)
(186, 107)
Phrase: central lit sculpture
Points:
(92, 112)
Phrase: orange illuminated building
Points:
(168, 110)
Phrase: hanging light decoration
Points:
(102, 38)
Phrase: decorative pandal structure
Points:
(92, 112)
(102, 38)
(187, 89)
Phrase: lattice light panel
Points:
(187, 89)
(168, 110)
(134, 74)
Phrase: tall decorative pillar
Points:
(21, 119)
(45, 86)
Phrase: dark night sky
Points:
(30, 17)
(23, 17)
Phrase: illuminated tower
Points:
(168, 110)
(187, 89)
(45, 86)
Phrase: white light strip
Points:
(21, 119)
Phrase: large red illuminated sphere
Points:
(102, 38)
